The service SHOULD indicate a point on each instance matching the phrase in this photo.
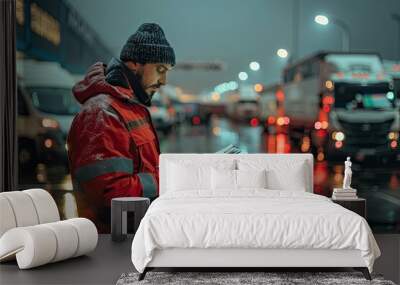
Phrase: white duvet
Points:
(252, 218)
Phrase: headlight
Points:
(329, 85)
(48, 143)
(338, 136)
(393, 135)
(50, 123)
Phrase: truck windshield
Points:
(57, 101)
(364, 97)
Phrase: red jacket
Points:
(113, 148)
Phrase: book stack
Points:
(344, 194)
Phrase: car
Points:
(162, 119)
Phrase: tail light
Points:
(254, 122)
(196, 120)
(271, 120)
(280, 121)
(286, 120)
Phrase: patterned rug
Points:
(230, 278)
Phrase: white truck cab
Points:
(46, 109)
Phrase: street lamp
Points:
(254, 65)
(324, 20)
(243, 76)
(282, 53)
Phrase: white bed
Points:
(272, 226)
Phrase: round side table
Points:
(119, 209)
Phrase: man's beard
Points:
(119, 74)
(136, 82)
(145, 88)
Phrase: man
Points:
(113, 148)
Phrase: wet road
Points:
(378, 183)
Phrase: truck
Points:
(245, 106)
(342, 104)
(272, 110)
(162, 118)
(46, 108)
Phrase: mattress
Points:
(250, 219)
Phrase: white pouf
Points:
(45, 205)
(7, 218)
(67, 240)
(31, 231)
(33, 246)
(23, 208)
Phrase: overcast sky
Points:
(237, 32)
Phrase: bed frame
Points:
(242, 259)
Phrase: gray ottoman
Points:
(119, 209)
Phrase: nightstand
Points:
(358, 206)
(119, 209)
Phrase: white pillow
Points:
(194, 175)
(227, 179)
(251, 178)
(295, 181)
(282, 174)
(223, 179)
(183, 177)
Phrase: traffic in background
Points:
(330, 104)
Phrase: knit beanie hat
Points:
(148, 45)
